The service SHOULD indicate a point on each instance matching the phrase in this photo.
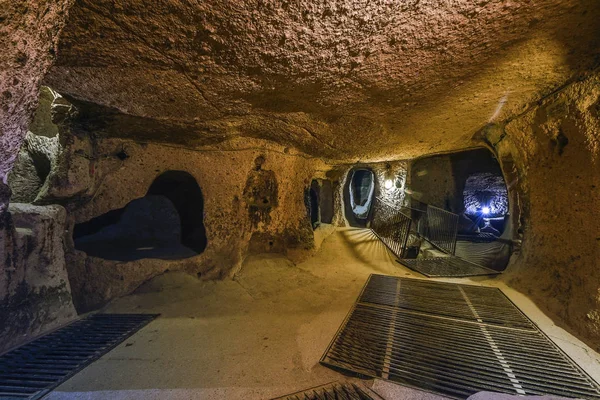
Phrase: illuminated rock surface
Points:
(256, 99)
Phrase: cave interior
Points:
(240, 172)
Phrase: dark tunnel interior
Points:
(166, 223)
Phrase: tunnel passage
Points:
(183, 191)
(167, 223)
(486, 199)
(314, 204)
(469, 184)
(326, 201)
(358, 196)
(482, 191)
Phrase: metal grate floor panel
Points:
(479, 237)
(395, 332)
(444, 299)
(34, 369)
(446, 266)
(334, 391)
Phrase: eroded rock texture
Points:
(560, 186)
(29, 31)
(35, 293)
(255, 99)
(231, 209)
(342, 79)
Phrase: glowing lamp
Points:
(388, 184)
(485, 210)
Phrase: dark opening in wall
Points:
(42, 165)
(314, 204)
(183, 191)
(358, 196)
(471, 184)
(167, 223)
(486, 198)
(326, 201)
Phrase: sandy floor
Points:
(262, 334)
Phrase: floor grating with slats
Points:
(480, 237)
(34, 369)
(451, 339)
(451, 266)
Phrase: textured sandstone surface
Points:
(357, 80)
(313, 88)
(555, 147)
(229, 216)
(35, 292)
(29, 32)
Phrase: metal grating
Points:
(442, 226)
(334, 391)
(443, 299)
(479, 237)
(418, 333)
(391, 226)
(34, 369)
(494, 255)
(446, 266)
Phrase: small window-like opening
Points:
(358, 196)
(361, 192)
(167, 223)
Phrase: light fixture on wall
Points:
(388, 184)
(485, 210)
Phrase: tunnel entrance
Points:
(358, 196)
(486, 202)
(314, 204)
(318, 199)
(167, 223)
(469, 185)
(183, 191)
(326, 201)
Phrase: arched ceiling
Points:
(345, 79)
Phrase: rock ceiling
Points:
(344, 79)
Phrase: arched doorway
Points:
(486, 201)
(183, 191)
(167, 223)
(326, 201)
(358, 196)
(314, 204)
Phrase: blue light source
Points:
(485, 210)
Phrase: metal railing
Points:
(391, 226)
(442, 227)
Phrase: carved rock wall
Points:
(556, 149)
(35, 294)
(32, 29)
(234, 209)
